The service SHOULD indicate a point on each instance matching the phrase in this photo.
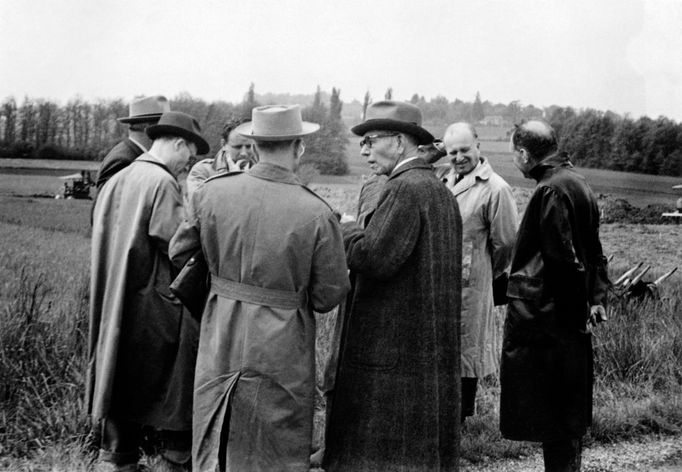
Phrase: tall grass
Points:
(42, 363)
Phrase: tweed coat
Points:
(397, 395)
(489, 222)
(558, 271)
(264, 236)
(142, 344)
(118, 158)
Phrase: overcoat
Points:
(489, 221)
(118, 158)
(275, 254)
(558, 271)
(397, 395)
(142, 344)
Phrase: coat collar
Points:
(483, 171)
(273, 172)
(418, 163)
(559, 159)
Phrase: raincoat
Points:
(396, 400)
(142, 344)
(558, 271)
(275, 253)
(489, 222)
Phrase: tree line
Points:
(80, 130)
(39, 128)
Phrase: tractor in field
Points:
(77, 185)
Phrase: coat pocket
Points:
(525, 288)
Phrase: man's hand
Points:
(597, 315)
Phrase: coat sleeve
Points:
(166, 214)
(566, 276)
(186, 240)
(390, 237)
(599, 282)
(329, 281)
(504, 222)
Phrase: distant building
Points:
(492, 120)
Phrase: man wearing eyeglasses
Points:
(142, 344)
(236, 153)
(396, 399)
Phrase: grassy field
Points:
(43, 312)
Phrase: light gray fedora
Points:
(276, 123)
(146, 109)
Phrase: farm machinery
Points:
(633, 287)
(77, 185)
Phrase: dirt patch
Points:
(619, 210)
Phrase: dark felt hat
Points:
(390, 115)
(176, 123)
(146, 110)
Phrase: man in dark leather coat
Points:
(557, 292)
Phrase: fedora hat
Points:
(146, 109)
(177, 123)
(390, 115)
(276, 123)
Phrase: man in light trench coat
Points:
(396, 400)
(489, 221)
(275, 254)
(142, 344)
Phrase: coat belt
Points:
(258, 295)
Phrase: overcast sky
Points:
(622, 55)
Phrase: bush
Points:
(42, 361)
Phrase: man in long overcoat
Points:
(489, 221)
(557, 292)
(142, 344)
(275, 254)
(396, 400)
(143, 112)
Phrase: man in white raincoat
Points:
(142, 344)
(489, 221)
(275, 253)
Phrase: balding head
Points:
(537, 137)
(462, 147)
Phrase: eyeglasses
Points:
(369, 140)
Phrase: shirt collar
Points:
(401, 163)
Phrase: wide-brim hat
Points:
(176, 123)
(146, 110)
(390, 115)
(276, 123)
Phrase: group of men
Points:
(433, 249)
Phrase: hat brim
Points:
(246, 130)
(150, 118)
(385, 124)
(155, 131)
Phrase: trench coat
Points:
(275, 254)
(397, 395)
(142, 344)
(558, 271)
(489, 222)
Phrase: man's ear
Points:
(525, 157)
